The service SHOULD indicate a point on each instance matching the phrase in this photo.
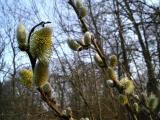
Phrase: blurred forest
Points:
(129, 29)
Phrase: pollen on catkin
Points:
(74, 45)
(41, 72)
(113, 61)
(21, 36)
(41, 44)
(123, 99)
(98, 60)
(87, 38)
(26, 77)
(128, 85)
(111, 73)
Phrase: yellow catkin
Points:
(128, 85)
(111, 73)
(123, 99)
(21, 35)
(98, 60)
(87, 38)
(73, 45)
(26, 77)
(40, 76)
(41, 44)
(113, 61)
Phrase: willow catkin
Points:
(82, 11)
(123, 99)
(41, 72)
(128, 85)
(98, 60)
(26, 77)
(41, 44)
(152, 102)
(21, 35)
(74, 45)
(111, 73)
(78, 4)
(87, 38)
(113, 61)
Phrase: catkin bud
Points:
(47, 89)
(113, 61)
(110, 83)
(152, 102)
(40, 76)
(41, 44)
(136, 107)
(87, 39)
(21, 36)
(74, 45)
(111, 73)
(26, 77)
(123, 99)
(78, 4)
(82, 11)
(128, 85)
(98, 60)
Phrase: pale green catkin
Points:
(21, 35)
(98, 60)
(87, 38)
(73, 45)
(113, 61)
(41, 72)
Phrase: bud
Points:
(78, 4)
(26, 77)
(69, 111)
(128, 85)
(40, 76)
(111, 73)
(83, 11)
(123, 99)
(87, 39)
(136, 97)
(74, 45)
(136, 107)
(113, 61)
(41, 44)
(152, 102)
(21, 36)
(110, 83)
(98, 60)
(47, 89)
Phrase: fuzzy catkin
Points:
(41, 72)
(41, 44)
(113, 61)
(21, 35)
(87, 38)
(98, 60)
(26, 77)
(73, 45)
